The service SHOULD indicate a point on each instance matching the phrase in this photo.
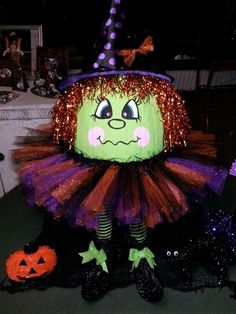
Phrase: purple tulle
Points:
(47, 184)
(128, 201)
(216, 175)
(27, 175)
(52, 205)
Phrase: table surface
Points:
(26, 106)
(25, 112)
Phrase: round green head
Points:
(120, 118)
(119, 127)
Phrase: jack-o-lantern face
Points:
(22, 266)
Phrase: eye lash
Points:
(98, 100)
(137, 101)
(93, 116)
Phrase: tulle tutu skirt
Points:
(154, 191)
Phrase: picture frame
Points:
(31, 38)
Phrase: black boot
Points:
(97, 278)
(146, 278)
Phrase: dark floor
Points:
(19, 224)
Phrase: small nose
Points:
(116, 123)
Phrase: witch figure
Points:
(119, 158)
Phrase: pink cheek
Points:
(94, 135)
(143, 135)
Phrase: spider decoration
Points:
(178, 263)
(203, 250)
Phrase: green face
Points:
(119, 128)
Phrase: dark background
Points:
(178, 27)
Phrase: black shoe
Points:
(96, 281)
(147, 282)
(146, 277)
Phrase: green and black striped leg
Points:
(96, 281)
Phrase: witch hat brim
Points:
(71, 79)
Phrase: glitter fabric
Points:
(148, 285)
(26, 171)
(220, 224)
(97, 282)
(214, 175)
(154, 190)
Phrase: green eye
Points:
(130, 110)
(104, 110)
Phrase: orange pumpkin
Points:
(31, 263)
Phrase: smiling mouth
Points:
(119, 142)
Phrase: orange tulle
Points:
(94, 202)
(49, 172)
(64, 191)
(156, 201)
(175, 196)
(186, 175)
(31, 153)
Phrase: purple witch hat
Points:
(106, 62)
(107, 57)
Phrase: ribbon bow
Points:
(129, 54)
(135, 256)
(93, 253)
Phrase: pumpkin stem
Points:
(30, 248)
